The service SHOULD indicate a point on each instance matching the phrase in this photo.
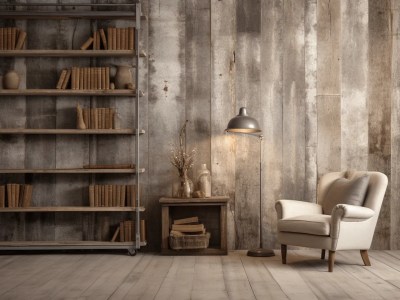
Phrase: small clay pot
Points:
(11, 80)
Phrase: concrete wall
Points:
(320, 76)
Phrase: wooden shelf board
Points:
(72, 14)
(69, 93)
(36, 245)
(69, 53)
(68, 131)
(207, 251)
(212, 199)
(69, 171)
(70, 209)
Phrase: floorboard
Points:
(236, 276)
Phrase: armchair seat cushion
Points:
(316, 224)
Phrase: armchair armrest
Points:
(352, 213)
(348, 213)
(292, 208)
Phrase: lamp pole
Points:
(260, 138)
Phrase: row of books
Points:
(99, 118)
(116, 39)
(12, 38)
(186, 226)
(18, 195)
(112, 195)
(96, 78)
(125, 232)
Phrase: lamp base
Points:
(260, 252)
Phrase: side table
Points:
(212, 212)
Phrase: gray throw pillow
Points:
(345, 191)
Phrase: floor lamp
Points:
(244, 124)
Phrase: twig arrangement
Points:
(179, 158)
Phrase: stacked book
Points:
(99, 118)
(116, 39)
(125, 232)
(12, 38)
(187, 226)
(96, 78)
(112, 195)
(18, 195)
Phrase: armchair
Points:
(346, 227)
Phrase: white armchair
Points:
(346, 227)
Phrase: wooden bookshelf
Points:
(44, 209)
(70, 171)
(68, 93)
(69, 53)
(26, 131)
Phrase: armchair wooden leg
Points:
(284, 252)
(365, 258)
(331, 260)
(323, 254)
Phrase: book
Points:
(190, 220)
(123, 195)
(91, 195)
(13, 37)
(127, 231)
(107, 78)
(98, 40)
(121, 231)
(95, 41)
(109, 38)
(1, 38)
(81, 78)
(27, 198)
(123, 43)
(21, 40)
(103, 78)
(118, 40)
(2, 195)
(114, 38)
(115, 236)
(99, 78)
(16, 195)
(131, 41)
(127, 38)
(66, 80)
(73, 78)
(5, 39)
(188, 228)
(96, 195)
(106, 200)
(142, 230)
(9, 202)
(61, 79)
(9, 34)
(87, 44)
(118, 194)
(103, 38)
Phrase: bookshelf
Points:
(38, 11)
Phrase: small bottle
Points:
(204, 181)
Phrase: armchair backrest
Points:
(375, 193)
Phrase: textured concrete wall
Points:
(320, 76)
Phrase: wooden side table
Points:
(212, 212)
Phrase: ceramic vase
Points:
(11, 80)
(123, 77)
(204, 181)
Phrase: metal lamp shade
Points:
(242, 123)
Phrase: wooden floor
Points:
(236, 276)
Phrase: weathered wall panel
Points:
(223, 18)
(271, 113)
(247, 58)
